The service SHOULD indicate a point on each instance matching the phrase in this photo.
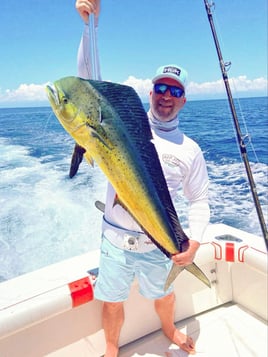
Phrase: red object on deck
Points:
(229, 252)
(81, 291)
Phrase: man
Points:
(183, 165)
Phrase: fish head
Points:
(76, 104)
(61, 104)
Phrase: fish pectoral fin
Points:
(89, 158)
(192, 268)
(196, 271)
(77, 158)
(95, 135)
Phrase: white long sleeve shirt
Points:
(181, 159)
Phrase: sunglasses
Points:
(161, 88)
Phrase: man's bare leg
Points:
(165, 308)
(112, 320)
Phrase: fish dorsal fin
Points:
(130, 111)
(126, 104)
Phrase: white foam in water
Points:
(46, 217)
(230, 195)
(230, 198)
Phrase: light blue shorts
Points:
(119, 267)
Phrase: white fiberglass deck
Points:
(38, 317)
(226, 331)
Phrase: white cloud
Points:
(239, 84)
(24, 93)
(34, 94)
(141, 86)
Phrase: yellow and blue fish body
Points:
(109, 125)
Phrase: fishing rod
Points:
(240, 139)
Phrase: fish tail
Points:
(196, 271)
(192, 268)
(174, 272)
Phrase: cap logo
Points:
(173, 70)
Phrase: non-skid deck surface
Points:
(227, 331)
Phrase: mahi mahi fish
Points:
(110, 126)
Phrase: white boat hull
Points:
(41, 316)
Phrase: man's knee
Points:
(170, 298)
(162, 303)
(112, 307)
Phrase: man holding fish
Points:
(126, 251)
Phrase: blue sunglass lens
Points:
(176, 91)
(160, 88)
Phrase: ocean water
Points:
(46, 217)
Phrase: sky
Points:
(39, 41)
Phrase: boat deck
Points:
(228, 330)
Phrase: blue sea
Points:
(46, 217)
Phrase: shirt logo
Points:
(173, 70)
(171, 160)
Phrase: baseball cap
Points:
(173, 71)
